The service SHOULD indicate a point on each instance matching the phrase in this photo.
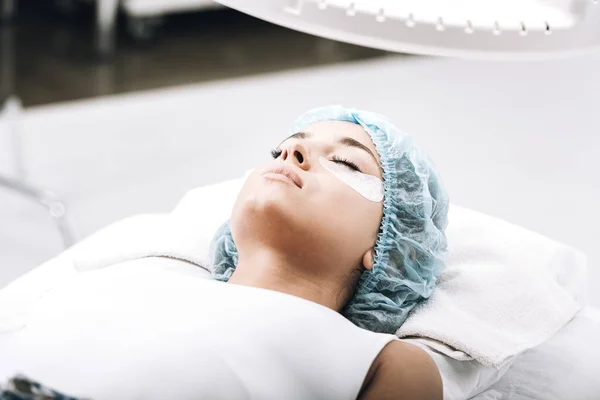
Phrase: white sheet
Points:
(154, 328)
(563, 368)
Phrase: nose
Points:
(297, 154)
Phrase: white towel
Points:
(504, 290)
(184, 234)
(142, 236)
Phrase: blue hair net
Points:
(411, 239)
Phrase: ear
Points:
(369, 259)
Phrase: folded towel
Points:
(504, 291)
(184, 234)
(142, 236)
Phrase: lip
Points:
(286, 172)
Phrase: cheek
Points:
(235, 212)
(349, 211)
(367, 218)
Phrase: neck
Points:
(269, 270)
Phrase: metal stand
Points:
(56, 208)
(106, 18)
(10, 109)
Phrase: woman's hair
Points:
(411, 240)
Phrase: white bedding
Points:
(152, 329)
(565, 367)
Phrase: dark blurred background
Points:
(56, 54)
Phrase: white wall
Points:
(518, 140)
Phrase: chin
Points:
(269, 217)
(261, 208)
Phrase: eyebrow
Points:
(347, 141)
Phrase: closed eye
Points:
(346, 162)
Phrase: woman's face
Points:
(297, 206)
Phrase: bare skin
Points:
(324, 240)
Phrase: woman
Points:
(301, 226)
(328, 248)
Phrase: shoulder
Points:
(403, 371)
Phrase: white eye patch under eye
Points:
(369, 186)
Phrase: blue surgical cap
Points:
(411, 241)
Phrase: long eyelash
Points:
(275, 153)
(346, 162)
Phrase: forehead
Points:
(334, 130)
